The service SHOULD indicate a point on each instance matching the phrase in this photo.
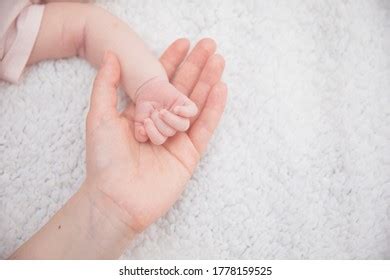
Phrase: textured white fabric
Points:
(300, 166)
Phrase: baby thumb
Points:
(104, 92)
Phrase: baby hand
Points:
(160, 111)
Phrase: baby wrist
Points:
(152, 82)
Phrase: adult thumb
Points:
(104, 92)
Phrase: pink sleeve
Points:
(19, 25)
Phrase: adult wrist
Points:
(108, 212)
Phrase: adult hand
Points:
(128, 184)
(141, 181)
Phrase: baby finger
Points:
(187, 110)
(164, 128)
(176, 122)
(154, 135)
(140, 133)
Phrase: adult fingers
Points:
(203, 128)
(187, 75)
(174, 56)
(210, 76)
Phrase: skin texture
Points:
(161, 111)
(86, 30)
(141, 165)
(130, 184)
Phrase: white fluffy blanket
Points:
(300, 166)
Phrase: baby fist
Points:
(160, 111)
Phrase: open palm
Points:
(143, 179)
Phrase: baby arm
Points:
(70, 29)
